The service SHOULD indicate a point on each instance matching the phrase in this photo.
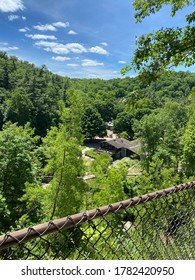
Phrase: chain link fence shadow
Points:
(158, 225)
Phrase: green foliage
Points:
(92, 124)
(33, 94)
(19, 107)
(188, 142)
(156, 177)
(65, 163)
(101, 164)
(109, 182)
(71, 116)
(65, 111)
(150, 130)
(146, 7)
(160, 133)
(91, 153)
(35, 201)
(165, 48)
(4, 214)
(18, 165)
(191, 107)
(105, 105)
(65, 191)
(124, 122)
(124, 135)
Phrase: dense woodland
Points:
(44, 119)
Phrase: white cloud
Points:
(6, 48)
(76, 48)
(60, 58)
(104, 44)
(61, 24)
(46, 44)
(72, 32)
(11, 5)
(101, 73)
(45, 27)
(89, 62)
(61, 48)
(98, 72)
(70, 47)
(4, 44)
(122, 62)
(13, 48)
(98, 50)
(25, 29)
(13, 17)
(41, 37)
(51, 27)
(72, 65)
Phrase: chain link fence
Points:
(158, 225)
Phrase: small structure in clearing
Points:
(120, 148)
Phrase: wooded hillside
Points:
(44, 119)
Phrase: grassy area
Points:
(133, 165)
(91, 153)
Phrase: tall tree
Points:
(160, 133)
(18, 165)
(18, 107)
(188, 141)
(124, 123)
(92, 123)
(64, 161)
(109, 182)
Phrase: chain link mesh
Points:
(160, 225)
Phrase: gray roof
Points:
(119, 143)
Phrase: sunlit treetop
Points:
(165, 48)
(144, 8)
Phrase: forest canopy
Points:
(49, 125)
(45, 118)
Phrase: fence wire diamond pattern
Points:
(158, 225)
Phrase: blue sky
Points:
(78, 38)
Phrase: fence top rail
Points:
(32, 232)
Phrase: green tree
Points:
(65, 164)
(92, 124)
(156, 177)
(4, 71)
(167, 47)
(18, 165)
(188, 142)
(45, 103)
(63, 161)
(4, 94)
(150, 130)
(63, 148)
(109, 182)
(18, 107)
(124, 123)
(160, 133)
(105, 105)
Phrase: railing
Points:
(159, 225)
